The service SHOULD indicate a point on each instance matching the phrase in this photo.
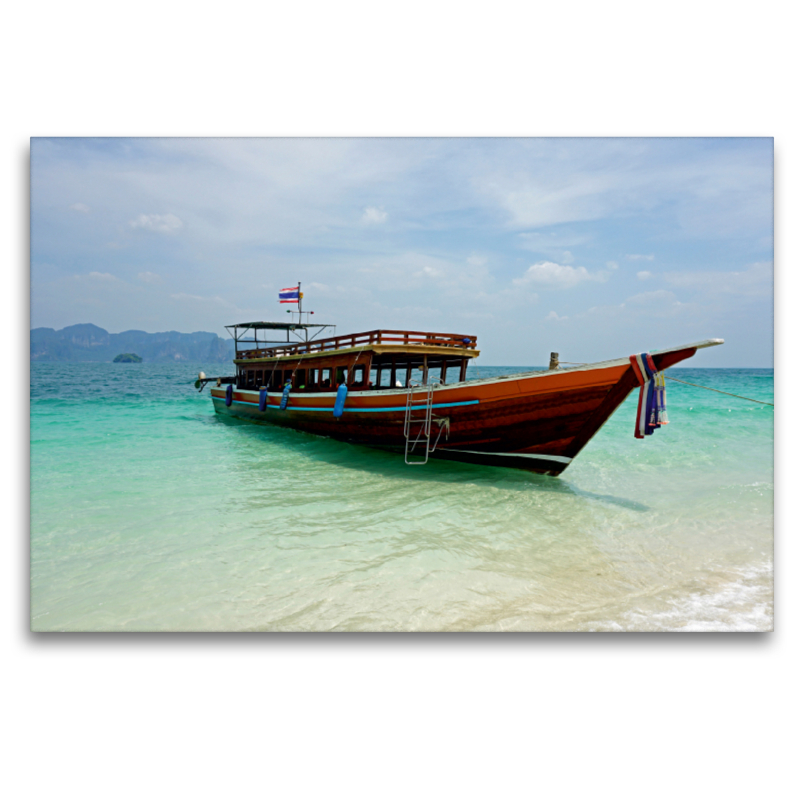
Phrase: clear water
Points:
(151, 513)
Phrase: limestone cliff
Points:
(90, 343)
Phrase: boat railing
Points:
(364, 340)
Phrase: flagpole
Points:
(300, 302)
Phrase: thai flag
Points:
(290, 295)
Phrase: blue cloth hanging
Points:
(651, 412)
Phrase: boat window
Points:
(259, 377)
(325, 378)
(251, 378)
(341, 375)
(299, 380)
(358, 375)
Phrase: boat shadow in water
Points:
(388, 464)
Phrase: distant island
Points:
(128, 358)
(89, 342)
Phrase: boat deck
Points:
(372, 360)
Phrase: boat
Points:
(407, 391)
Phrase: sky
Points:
(594, 248)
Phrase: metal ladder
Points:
(419, 424)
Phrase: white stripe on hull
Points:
(561, 459)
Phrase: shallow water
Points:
(150, 512)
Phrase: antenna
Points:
(300, 311)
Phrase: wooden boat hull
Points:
(536, 421)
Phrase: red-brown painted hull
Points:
(534, 421)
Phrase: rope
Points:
(269, 380)
(678, 380)
(355, 359)
(764, 403)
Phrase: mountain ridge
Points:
(89, 342)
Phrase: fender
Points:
(285, 395)
(341, 396)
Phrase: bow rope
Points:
(678, 380)
(763, 402)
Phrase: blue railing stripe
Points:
(356, 410)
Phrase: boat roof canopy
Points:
(277, 326)
(246, 333)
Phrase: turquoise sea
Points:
(151, 513)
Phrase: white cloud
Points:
(149, 277)
(429, 272)
(548, 274)
(82, 207)
(552, 315)
(658, 304)
(756, 279)
(644, 275)
(100, 276)
(612, 265)
(661, 304)
(163, 223)
(648, 298)
(535, 202)
(184, 296)
(550, 241)
(374, 215)
(639, 257)
(476, 261)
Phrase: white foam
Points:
(743, 604)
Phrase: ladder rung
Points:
(424, 422)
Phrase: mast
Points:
(299, 311)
